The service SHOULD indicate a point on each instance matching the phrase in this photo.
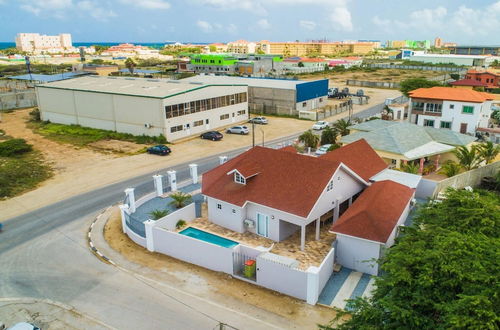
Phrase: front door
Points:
(463, 128)
(262, 224)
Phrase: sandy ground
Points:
(81, 170)
(222, 284)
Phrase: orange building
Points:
(489, 78)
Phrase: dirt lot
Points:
(384, 75)
(78, 170)
(223, 284)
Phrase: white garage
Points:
(143, 106)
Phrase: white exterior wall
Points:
(224, 216)
(131, 114)
(312, 104)
(352, 253)
(401, 221)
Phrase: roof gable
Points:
(374, 215)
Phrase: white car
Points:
(323, 149)
(258, 120)
(320, 125)
(237, 130)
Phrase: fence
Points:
(18, 99)
(372, 84)
(416, 67)
(169, 221)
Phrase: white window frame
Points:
(238, 178)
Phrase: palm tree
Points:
(488, 151)
(341, 126)
(130, 64)
(328, 136)
(158, 214)
(410, 168)
(180, 199)
(450, 168)
(309, 139)
(467, 158)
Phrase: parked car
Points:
(237, 130)
(320, 125)
(212, 135)
(160, 149)
(323, 149)
(23, 326)
(258, 120)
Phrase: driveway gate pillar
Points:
(193, 170)
(131, 199)
(157, 179)
(172, 180)
(222, 159)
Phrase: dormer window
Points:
(238, 178)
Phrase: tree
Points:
(342, 126)
(180, 199)
(454, 76)
(328, 136)
(467, 158)
(309, 139)
(411, 84)
(443, 271)
(488, 151)
(158, 214)
(450, 168)
(130, 64)
(100, 48)
(410, 167)
(300, 65)
(333, 147)
(212, 48)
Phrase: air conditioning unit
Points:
(249, 223)
(148, 125)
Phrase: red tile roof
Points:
(288, 181)
(468, 82)
(360, 157)
(452, 94)
(248, 168)
(376, 212)
(289, 149)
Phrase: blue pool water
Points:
(207, 237)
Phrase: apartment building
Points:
(307, 48)
(489, 78)
(36, 43)
(460, 110)
(241, 47)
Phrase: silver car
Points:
(258, 120)
(237, 130)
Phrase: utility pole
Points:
(253, 133)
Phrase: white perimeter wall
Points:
(357, 254)
(187, 213)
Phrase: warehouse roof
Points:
(155, 88)
(252, 82)
(49, 77)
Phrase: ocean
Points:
(157, 45)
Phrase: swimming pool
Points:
(207, 237)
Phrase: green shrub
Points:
(35, 115)
(14, 147)
(158, 214)
(181, 223)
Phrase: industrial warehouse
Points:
(173, 108)
(275, 96)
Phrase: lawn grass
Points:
(82, 136)
(21, 173)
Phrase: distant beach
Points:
(157, 45)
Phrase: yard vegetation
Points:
(443, 271)
(21, 168)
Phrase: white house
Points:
(370, 225)
(458, 109)
(274, 193)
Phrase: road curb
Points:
(94, 250)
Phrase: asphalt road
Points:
(43, 254)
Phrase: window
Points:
(445, 124)
(241, 112)
(223, 117)
(321, 99)
(174, 129)
(206, 121)
(418, 106)
(219, 206)
(234, 211)
(330, 186)
(467, 109)
(238, 178)
(452, 106)
(198, 123)
(434, 107)
(428, 122)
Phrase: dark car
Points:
(212, 135)
(160, 149)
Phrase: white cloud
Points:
(308, 25)
(232, 29)
(255, 7)
(95, 11)
(381, 22)
(341, 19)
(54, 8)
(148, 4)
(205, 26)
(264, 24)
(429, 17)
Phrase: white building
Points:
(143, 106)
(467, 60)
(36, 43)
(241, 47)
(458, 109)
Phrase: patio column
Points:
(398, 163)
(157, 180)
(336, 211)
(131, 199)
(222, 159)
(193, 170)
(318, 223)
(405, 162)
(350, 201)
(302, 237)
(421, 168)
(172, 180)
(437, 161)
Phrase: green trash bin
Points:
(249, 270)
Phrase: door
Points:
(262, 224)
(463, 128)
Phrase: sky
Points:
(461, 21)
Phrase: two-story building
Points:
(490, 79)
(460, 110)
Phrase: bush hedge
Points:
(14, 147)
